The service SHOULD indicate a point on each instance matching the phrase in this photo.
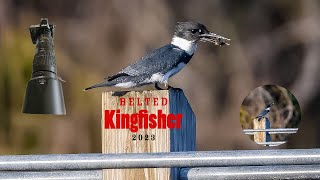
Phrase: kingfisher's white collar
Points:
(188, 46)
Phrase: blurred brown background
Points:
(273, 42)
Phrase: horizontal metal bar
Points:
(272, 131)
(154, 160)
(276, 143)
(219, 173)
(46, 175)
(253, 172)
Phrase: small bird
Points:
(265, 111)
(166, 61)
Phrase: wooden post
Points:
(157, 139)
(264, 123)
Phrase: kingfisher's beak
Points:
(214, 38)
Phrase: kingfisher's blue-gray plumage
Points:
(265, 111)
(161, 64)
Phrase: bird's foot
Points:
(156, 85)
(119, 93)
(261, 117)
(167, 86)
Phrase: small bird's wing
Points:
(263, 113)
(158, 61)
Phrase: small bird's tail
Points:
(103, 84)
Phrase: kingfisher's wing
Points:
(158, 61)
(263, 113)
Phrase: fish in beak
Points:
(214, 38)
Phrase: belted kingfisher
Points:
(164, 62)
(265, 111)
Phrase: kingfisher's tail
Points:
(103, 84)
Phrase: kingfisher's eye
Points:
(200, 31)
(193, 31)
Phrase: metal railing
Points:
(256, 164)
(51, 175)
(253, 172)
(271, 131)
(159, 160)
(276, 143)
(218, 173)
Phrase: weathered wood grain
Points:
(264, 123)
(166, 140)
